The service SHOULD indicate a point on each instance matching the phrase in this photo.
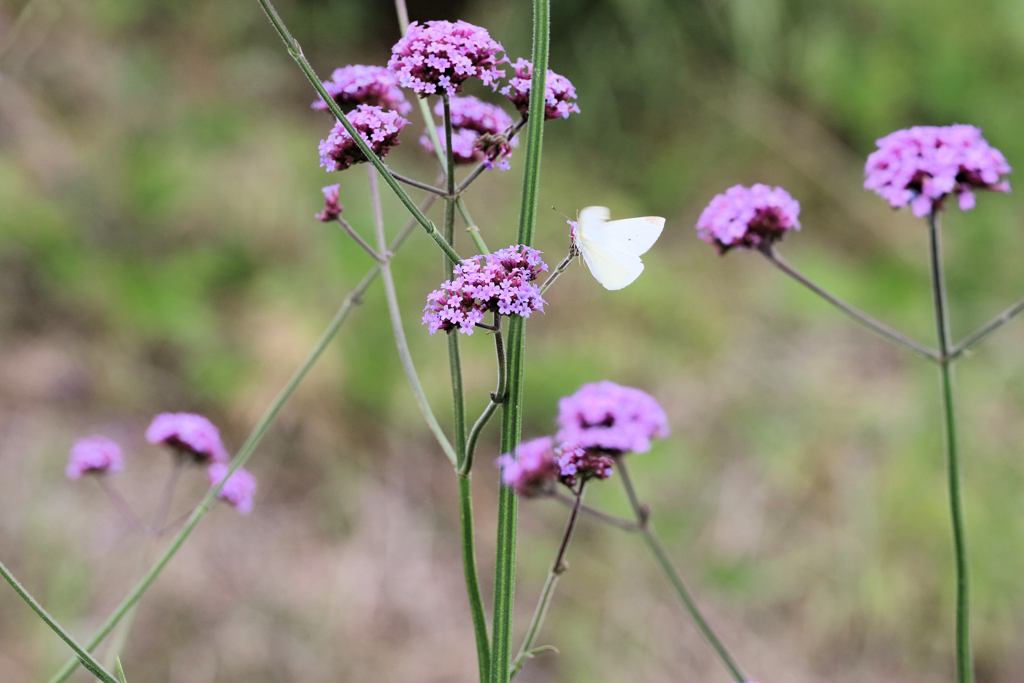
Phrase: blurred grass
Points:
(157, 252)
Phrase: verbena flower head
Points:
(475, 114)
(535, 472)
(333, 208)
(360, 84)
(501, 282)
(94, 455)
(559, 93)
(441, 56)
(575, 463)
(470, 147)
(610, 418)
(239, 489)
(379, 128)
(188, 433)
(921, 165)
(748, 217)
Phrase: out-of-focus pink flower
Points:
(575, 463)
(559, 93)
(478, 134)
(921, 165)
(475, 114)
(610, 418)
(188, 433)
(748, 217)
(94, 455)
(441, 56)
(239, 488)
(379, 128)
(333, 208)
(535, 471)
(361, 84)
(502, 282)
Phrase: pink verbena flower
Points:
(377, 127)
(479, 133)
(501, 282)
(748, 217)
(921, 165)
(475, 114)
(559, 93)
(441, 55)
(535, 471)
(575, 463)
(188, 433)
(239, 488)
(94, 455)
(333, 208)
(610, 418)
(360, 84)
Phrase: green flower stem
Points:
(964, 665)
(654, 544)
(87, 660)
(497, 398)
(986, 329)
(295, 50)
(559, 270)
(558, 568)
(476, 599)
(123, 508)
(417, 184)
(866, 320)
(611, 520)
(358, 239)
(354, 298)
(512, 418)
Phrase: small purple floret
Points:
(748, 217)
(360, 84)
(536, 470)
(575, 462)
(379, 128)
(441, 55)
(501, 282)
(239, 489)
(188, 433)
(559, 93)
(475, 114)
(94, 455)
(479, 133)
(611, 418)
(333, 208)
(921, 165)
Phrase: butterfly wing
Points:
(613, 269)
(612, 249)
(630, 236)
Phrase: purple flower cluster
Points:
(332, 208)
(478, 133)
(575, 462)
(535, 471)
(921, 165)
(501, 282)
(94, 455)
(748, 218)
(441, 55)
(611, 418)
(559, 93)
(239, 488)
(379, 128)
(188, 433)
(360, 84)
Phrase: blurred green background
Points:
(158, 252)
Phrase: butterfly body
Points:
(612, 249)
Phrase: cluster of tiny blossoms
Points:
(478, 133)
(358, 84)
(379, 128)
(559, 93)
(190, 436)
(501, 282)
(441, 55)
(332, 207)
(599, 422)
(748, 217)
(921, 165)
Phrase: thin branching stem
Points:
(880, 328)
(354, 298)
(986, 329)
(487, 165)
(295, 50)
(559, 270)
(611, 520)
(558, 568)
(497, 397)
(163, 506)
(420, 185)
(358, 239)
(654, 544)
(964, 663)
(123, 508)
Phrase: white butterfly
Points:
(612, 249)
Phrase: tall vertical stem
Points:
(964, 666)
(476, 601)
